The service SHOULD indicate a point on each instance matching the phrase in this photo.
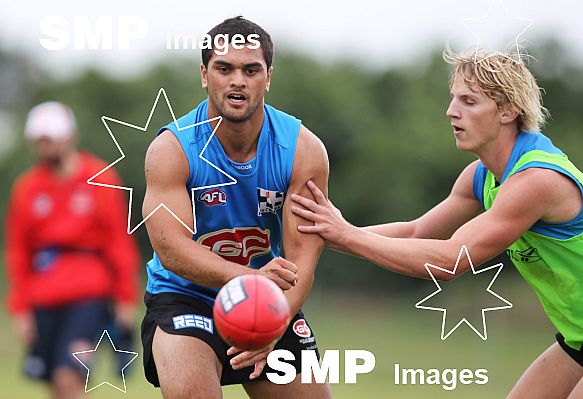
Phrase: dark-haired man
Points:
(269, 154)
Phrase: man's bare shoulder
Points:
(310, 151)
(165, 158)
(557, 194)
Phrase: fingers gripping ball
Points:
(250, 312)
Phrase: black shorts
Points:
(58, 329)
(576, 355)
(197, 315)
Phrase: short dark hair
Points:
(240, 25)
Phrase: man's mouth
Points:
(236, 98)
(457, 129)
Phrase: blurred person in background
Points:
(69, 259)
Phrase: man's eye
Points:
(223, 69)
(251, 71)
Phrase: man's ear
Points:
(203, 76)
(268, 82)
(508, 114)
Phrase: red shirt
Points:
(67, 240)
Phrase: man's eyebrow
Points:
(253, 65)
(223, 63)
(257, 65)
(471, 94)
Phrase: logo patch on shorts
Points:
(301, 328)
(193, 321)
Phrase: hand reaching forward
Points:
(328, 220)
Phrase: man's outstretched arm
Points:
(525, 198)
(442, 220)
(438, 223)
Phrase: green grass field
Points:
(392, 329)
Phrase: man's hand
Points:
(25, 328)
(328, 220)
(248, 358)
(282, 272)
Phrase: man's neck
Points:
(239, 139)
(495, 155)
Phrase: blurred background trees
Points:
(392, 154)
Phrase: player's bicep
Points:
(310, 163)
(453, 212)
(166, 170)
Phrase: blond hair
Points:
(505, 79)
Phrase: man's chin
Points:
(235, 116)
(51, 162)
(463, 146)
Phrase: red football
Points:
(250, 312)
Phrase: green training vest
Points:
(552, 266)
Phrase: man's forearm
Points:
(297, 295)
(396, 229)
(192, 262)
(406, 256)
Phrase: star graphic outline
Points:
(429, 266)
(75, 355)
(467, 21)
(106, 119)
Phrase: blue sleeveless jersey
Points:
(242, 221)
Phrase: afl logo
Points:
(213, 197)
(301, 328)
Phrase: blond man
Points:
(522, 195)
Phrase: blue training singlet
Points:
(241, 222)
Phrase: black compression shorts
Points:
(576, 355)
(185, 315)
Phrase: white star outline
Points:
(518, 58)
(429, 266)
(106, 119)
(124, 390)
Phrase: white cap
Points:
(52, 120)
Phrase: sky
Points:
(372, 33)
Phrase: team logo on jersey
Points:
(238, 245)
(269, 201)
(42, 205)
(529, 255)
(301, 328)
(213, 197)
(81, 203)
